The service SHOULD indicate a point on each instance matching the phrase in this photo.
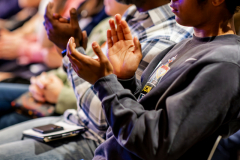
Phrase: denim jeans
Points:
(12, 147)
(228, 148)
(8, 93)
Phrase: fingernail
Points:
(73, 11)
(95, 45)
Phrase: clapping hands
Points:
(123, 58)
(124, 52)
(59, 29)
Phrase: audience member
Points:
(146, 24)
(152, 29)
(53, 89)
(181, 107)
(9, 8)
(57, 90)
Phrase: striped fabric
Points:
(156, 30)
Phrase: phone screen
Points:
(48, 128)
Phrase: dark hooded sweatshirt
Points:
(188, 95)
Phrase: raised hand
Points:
(124, 52)
(86, 67)
(60, 30)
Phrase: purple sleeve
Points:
(8, 8)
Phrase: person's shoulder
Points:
(226, 49)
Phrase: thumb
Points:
(84, 40)
(56, 16)
(138, 48)
(74, 18)
(96, 48)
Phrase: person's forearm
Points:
(161, 133)
(87, 101)
(29, 27)
(9, 8)
(132, 84)
(28, 3)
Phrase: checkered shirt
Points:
(156, 30)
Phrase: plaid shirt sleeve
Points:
(90, 111)
(156, 30)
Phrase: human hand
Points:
(124, 52)
(52, 58)
(52, 89)
(37, 87)
(59, 31)
(46, 88)
(86, 67)
(9, 47)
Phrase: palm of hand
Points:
(123, 59)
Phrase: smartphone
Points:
(48, 128)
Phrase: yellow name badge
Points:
(147, 89)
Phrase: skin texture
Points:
(124, 52)
(124, 55)
(46, 88)
(206, 18)
(59, 33)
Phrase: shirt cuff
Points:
(131, 84)
(107, 85)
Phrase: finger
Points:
(74, 18)
(63, 20)
(72, 52)
(35, 90)
(84, 40)
(113, 30)
(126, 31)
(42, 81)
(56, 16)
(119, 27)
(38, 97)
(138, 48)
(33, 80)
(109, 39)
(48, 12)
(97, 49)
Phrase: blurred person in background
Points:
(36, 48)
(157, 30)
(9, 8)
(52, 87)
(17, 40)
(28, 44)
(66, 96)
